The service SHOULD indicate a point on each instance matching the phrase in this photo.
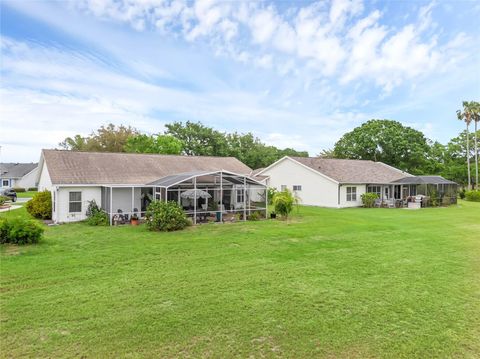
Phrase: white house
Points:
(126, 182)
(334, 183)
(18, 175)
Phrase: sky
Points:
(294, 73)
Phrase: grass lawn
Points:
(28, 194)
(352, 283)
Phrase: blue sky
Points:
(296, 74)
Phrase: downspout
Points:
(339, 195)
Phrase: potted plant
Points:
(134, 218)
(273, 215)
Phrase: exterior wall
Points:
(361, 189)
(44, 182)
(62, 213)
(29, 180)
(317, 190)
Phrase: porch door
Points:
(386, 192)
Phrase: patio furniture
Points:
(378, 203)
(390, 203)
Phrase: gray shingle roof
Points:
(70, 167)
(16, 170)
(353, 171)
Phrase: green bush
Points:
(255, 216)
(165, 216)
(3, 199)
(368, 199)
(473, 196)
(271, 191)
(461, 193)
(40, 206)
(20, 231)
(95, 215)
(33, 189)
(283, 202)
(19, 189)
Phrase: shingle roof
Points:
(353, 171)
(70, 167)
(424, 180)
(16, 170)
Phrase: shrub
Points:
(3, 199)
(473, 195)
(271, 191)
(255, 216)
(20, 231)
(368, 199)
(165, 216)
(95, 215)
(283, 202)
(40, 206)
(461, 193)
(19, 189)
(33, 189)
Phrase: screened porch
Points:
(205, 196)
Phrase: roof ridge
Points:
(134, 153)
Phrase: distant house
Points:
(340, 183)
(125, 183)
(18, 175)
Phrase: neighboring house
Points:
(340, 183)
(127, 182)
(18, 175)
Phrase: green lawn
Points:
(28, 194)
(353, 283)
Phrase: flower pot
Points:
(134, 222)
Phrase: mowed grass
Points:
(352, 283)
(27, 194)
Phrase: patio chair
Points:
(378, 203)
(390, 203)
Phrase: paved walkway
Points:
(10, 208)
(23, 200)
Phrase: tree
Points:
(163, 144)
(197, 139)
(386, 141)
(106, 139)
(466, 116)
(475, 110)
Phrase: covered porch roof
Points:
(176, 179)
(423, 180)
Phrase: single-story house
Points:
(18, 175)
(339, 183)
(125, 183)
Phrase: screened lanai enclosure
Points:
(205, 196)
(426, 191)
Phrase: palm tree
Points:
(466, 116)
(475, 110)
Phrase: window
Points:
(375, 189)
(283, 187)
(297, 187)
(5, 183)
(240, 197)
(75, 204)
(351, 194)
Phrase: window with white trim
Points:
(75, 202)
(240, 196)
(283, 187)
(351, 194)
(5, 183)
(375, 189)
(297, 187)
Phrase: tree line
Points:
(378, 140)
(190, 138)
